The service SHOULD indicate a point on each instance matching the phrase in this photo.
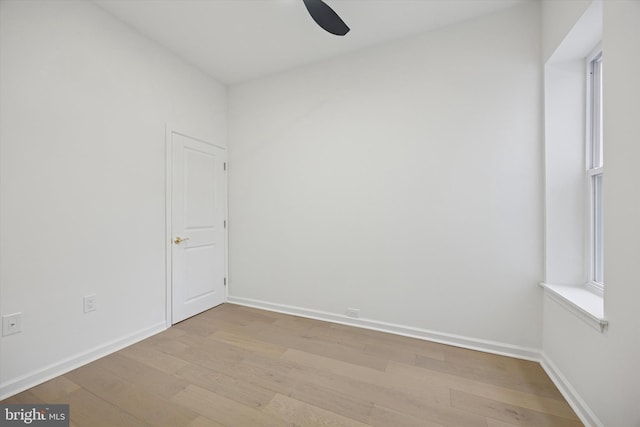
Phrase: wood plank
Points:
(264, 314)
(517, 377)
(420, 375)
(390, 352)
(251, 344)
(168, 345)
(303, 414)
(209, 354)
(355, 406)
(138, 401)
(419, 399)
(223, 410)
(325, 333)
(322, 347)
(231, 387)
(367, 377)
(508, 413)
(238, 315)
(335, 366)
(523, 375)
(87, 409)
(274, 375)
(384, 391)
(143, 375)
(202, 326)
(491, 422)
(385, 417)
(157, 359)
(205, 422)
(24, 398)
(56, 390)
(422, 347)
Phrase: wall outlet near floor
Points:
(11, 324)
(90, 303)
(353, 312)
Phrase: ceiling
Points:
(239, 40)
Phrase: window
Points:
(595, 171)
(574, 174)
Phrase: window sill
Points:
(585, 304)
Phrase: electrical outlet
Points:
(90, 303)
(11, 324)
(353, 312)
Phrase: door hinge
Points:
(225, 223)
(225, 281)
(224, 165)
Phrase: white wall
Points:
(558, 18)
(84, 102)
(565, 124)
(404, 180)
(600, 369)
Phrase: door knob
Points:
(179, 240)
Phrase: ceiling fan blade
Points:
(326, 17)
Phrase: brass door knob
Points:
(179, 240)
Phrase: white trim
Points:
(167, 242)
(195, 138)
(595, 171)
(586, 305)
(407, 331)
(226, 229)
(33, 379)
(596, 288)
(580, 407)
(593, 104)
(588, 100)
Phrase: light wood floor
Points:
(241, 367)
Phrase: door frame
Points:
(168, 241)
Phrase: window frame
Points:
(594, 167)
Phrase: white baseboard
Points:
(586, 415)
(407, 331)
(25, 382)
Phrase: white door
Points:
(198, 209)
